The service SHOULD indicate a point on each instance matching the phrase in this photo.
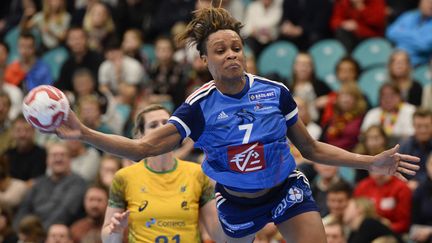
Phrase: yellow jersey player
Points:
(160, 199)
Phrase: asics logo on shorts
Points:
(295, 195)
(219, 199)
(235, 227)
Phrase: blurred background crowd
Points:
(360, 71)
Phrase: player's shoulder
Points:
(201, 93)
(267, 82)
(131, 169)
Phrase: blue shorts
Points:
(241, 216)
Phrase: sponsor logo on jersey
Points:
(222, 115)
(294, 195)
(150, 222)
(246, 158)
(262, 95)
(142, 206)
(165, 223)
(184, 205)
(183, 188)
(260, 107)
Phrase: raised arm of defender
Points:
(162, 140)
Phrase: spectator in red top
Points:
(355, 20)
(392, 199)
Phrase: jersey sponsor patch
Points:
(295, 195)
(247, 157)
(262, 95)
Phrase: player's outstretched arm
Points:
(389, 162)
(162, 140)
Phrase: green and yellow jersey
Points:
(163, 206)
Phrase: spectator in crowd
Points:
(99, 26)
(119, 69)
(12, 190)
(80, 56)
(84, 84)
(361, 218)
(85, 160)
(131, 46)
(355, 20)
(397, 7)
(421, 224)
(305, 84)
(28, 71)
(335, 232)
(327, 176)
(5, 124)
(26, 9)
(198, 75)
(52, 22)
(304, 113)
(167, 77)
(338, 196)
(168, 13)
(95, 203)
(27, 160)
(15, 93)
(347, 71)
(109, 165)
(427, 92)
(58, 233)
(419, 144)
(261, 23)
(399, 70)
(7, 234)
(58, 196)
(90, 111)
(343, 128)
(412, 32)
(372, 142)
(81, 7)
(305, 22)
(392, 198)
(30, 229)
(391, 114)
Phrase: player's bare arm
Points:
(162, 140)
(389, 162)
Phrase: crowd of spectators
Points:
(121, 55)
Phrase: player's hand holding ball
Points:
(47, 109)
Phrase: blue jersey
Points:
(243, 136)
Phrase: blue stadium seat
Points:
(277, 58)
(55, 59)
(423, 74)
(149, 52)
(373, 52)
(326, 54)
(370, 82)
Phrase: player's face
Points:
(155, 119)
(225, 58)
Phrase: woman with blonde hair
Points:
(52, 22)
(99, 26)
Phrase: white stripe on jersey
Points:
(185, 127)
(198, 97)
(291, 114)
(271, 81)
(199, 91)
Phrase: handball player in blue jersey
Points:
(242, 123)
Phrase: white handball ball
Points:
(45, 108)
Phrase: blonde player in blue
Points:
(242, 122)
